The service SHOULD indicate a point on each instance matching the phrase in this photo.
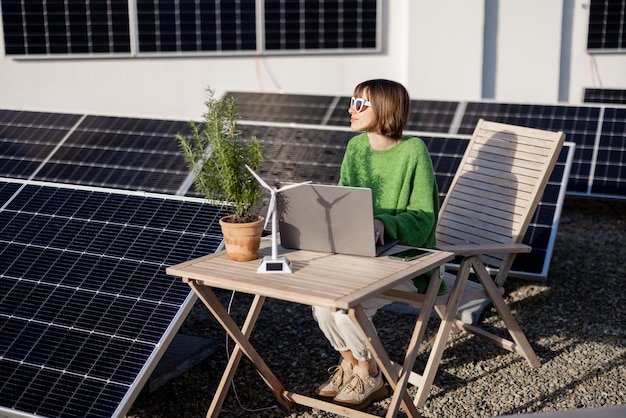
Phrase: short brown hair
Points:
(391, 105)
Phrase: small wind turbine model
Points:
(274, 263)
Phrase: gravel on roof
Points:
(576, 322)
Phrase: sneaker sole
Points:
(378, 395)
(321, 395)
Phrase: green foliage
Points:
(217, 156)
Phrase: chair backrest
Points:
(497, 186)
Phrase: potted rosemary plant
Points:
(217, 155)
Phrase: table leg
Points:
(397, 383)
(242, 345)
(235, 357)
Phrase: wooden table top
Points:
(318, 279)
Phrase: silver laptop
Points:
(335, 219)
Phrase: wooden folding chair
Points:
(483, 219)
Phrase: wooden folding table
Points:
(321, 279)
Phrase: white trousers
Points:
(341, 332)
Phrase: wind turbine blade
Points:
(291, 186)
(270, 209)
(259, 179)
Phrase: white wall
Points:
(445, 49)
(528, 50)
(434, 47)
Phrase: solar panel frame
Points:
(85, 314)
(602, 95)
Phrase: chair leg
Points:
(447, 322)
(521, 346)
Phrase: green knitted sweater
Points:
(404, 189)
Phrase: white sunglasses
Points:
(359, 104)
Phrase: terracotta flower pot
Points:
(242, 240)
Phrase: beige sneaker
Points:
(340, 376)
(362, 389)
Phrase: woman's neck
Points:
(380, 142)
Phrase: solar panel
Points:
(432, 115)
(27, 138)
(543, 227)
(196, 26)
(580, 124)
(339, 115)
(89, 27)
(446, 154)
(300, 153)
(426, 115)
(86, 308)
(126, 153)
(608, 96)
(24, 118)
(288, 108)
(607, 26)
(302, 25)
(71, 27)
(609, 175)
(6, 191)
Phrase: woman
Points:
(399, 171)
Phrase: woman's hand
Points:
(379, 231)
